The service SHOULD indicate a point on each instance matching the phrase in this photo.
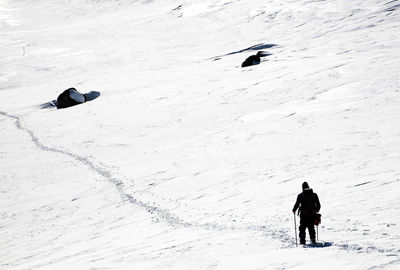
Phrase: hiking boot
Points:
(313, 241)
(302, 242)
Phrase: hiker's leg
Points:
(311, 229)
(302, 230)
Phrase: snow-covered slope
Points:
(187, 160)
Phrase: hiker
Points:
(308, 204)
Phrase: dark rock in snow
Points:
(254, 59)
(70, 97)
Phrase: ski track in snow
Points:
(160, 212)
(282, 235)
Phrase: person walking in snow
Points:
(308, 204)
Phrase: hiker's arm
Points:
(296, 205)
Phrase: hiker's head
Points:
(305, 185)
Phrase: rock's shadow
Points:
(92, 95)
(49, 105)
(256, 47)
(260, 46)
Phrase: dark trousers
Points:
(306, 222)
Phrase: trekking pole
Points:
(317, 233)
(295, 228)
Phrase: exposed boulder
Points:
(70, 97)
(254, 59)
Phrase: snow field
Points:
(190, 162)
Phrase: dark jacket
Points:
(308, 202)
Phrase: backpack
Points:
(317, 219)
(308, 203)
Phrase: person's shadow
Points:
(92, 95)
(319, 245)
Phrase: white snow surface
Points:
(187, 160)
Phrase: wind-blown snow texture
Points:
(186, 160)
